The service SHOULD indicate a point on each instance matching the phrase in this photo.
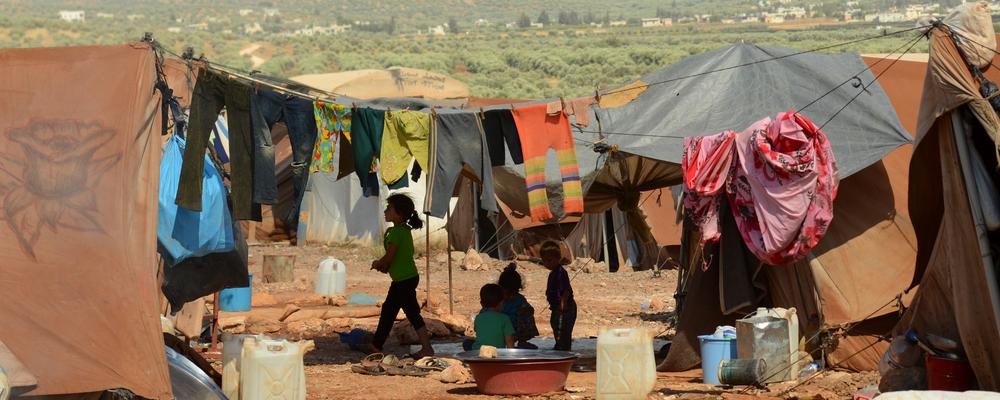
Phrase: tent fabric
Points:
(79, 180)
(735, 98)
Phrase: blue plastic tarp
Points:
(183, 233)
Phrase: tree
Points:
(524, 21)
(574, 18)
(543, 18)
(589, 18)
(563, 18)
(660, 13)
(391, 26)
(453, 25)
(607, 18)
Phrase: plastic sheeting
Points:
(183, 233)
(78, 177)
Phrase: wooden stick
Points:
(215, 322)
(427, 272)
(451, 296)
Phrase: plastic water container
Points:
(236, 299)
(625, 366)
(272, 369)
(331, 277)
(713, 351)
(4, 385)
(232, 350)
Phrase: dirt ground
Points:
(604, 300)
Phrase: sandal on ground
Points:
(392, 361)
(406, 370)
(432, 364)
(372, 360)
(376, 370)
(417, 355)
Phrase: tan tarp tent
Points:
(396, 82)
(79, 177)
(956, 270)
(865, 260)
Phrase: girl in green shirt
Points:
(398, 263)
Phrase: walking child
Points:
(398, 263)
(559, 293)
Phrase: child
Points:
(559, 293)
(493, 328)
(517, 308)
(398, 263)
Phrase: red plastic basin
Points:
(949, 375)
(520, 377)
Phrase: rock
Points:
(338, 324)
(456, 373)
(307, 328)
(289, 310)
(456, 257)
(263, 300)
(233, 324)
(303, 315)
(657, 304)
(437, 328)
(575, 389)
(264, 326)
(312, 300)
(456, 323)
(487, 352)
(473, 262)
(404, 333)
(337, 300)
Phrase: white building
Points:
(246, 11)
(891, 17)
(436, 30)
(253, 28)
(537, 25)
(271, 12)
(174, 29)
(651, 22)
(105, 15)
(618, 23)
(72, 16)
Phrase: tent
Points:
(79, 176)
(953, 202)
(647, 124)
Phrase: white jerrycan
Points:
(625, 366)
(232, 350)
(331, 277)
(273, 369)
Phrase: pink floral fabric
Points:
(781, 183)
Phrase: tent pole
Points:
(215, 323)
(475, 216)
(427, 267)
(451, 297)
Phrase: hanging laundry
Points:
(269, 108)
(332, 122)
(457, 141)
(403, 138)
(499, 127)
(366, 143)
(579, 108)
(780, 178)
(539, 131)
(212, 92)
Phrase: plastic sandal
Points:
(406, 370)
(375, 370)
(432, 364)
(372, 360)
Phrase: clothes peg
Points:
(597, 95)
(482, 114)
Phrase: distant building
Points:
(537, 25)
(891, 17)
(271, 12)
(246, 11)
(728, 21)
(511, 25)
(253, 28)
(437, 30)
(481, 23)
(72, 16)
(618, 23)
(174, 29)
(774, 18)
(105, 15)
(321, 30)
(651, 22)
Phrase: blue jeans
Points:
(267, 108)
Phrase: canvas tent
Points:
(79, 177)
(864, 133)
(953, 201)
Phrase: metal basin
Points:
(520, 372)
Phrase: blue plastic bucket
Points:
(713, 351)
(236, 299)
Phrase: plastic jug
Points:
(232, 350)
(792, 317)
(272, 369)
(331, 277)
(625, 366)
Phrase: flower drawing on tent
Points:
(48, 176)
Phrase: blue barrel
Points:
(713, 351)
(236, 299)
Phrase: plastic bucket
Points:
(236, 299)
(949, 375)
(713, 351)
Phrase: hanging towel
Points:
(366, 144)
(579, 108)
(707, 163)
(539, 131)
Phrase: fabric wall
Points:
(79, 175)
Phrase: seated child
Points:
(517, 308)
(493, 328)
